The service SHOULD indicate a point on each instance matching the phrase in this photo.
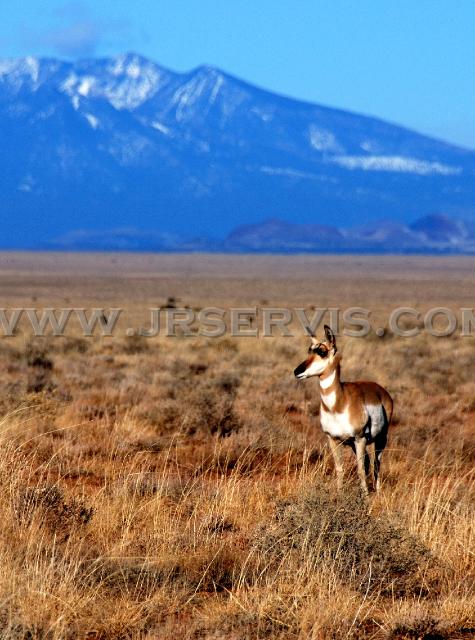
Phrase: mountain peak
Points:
(207, 69)
(29, 65)
(132, 65)
(126, 81)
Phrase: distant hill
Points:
(431, 234)
(122, 153)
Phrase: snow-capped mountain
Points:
(122, 143)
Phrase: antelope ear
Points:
(330, 336)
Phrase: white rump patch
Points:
(377, 419)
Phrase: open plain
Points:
(180, 486)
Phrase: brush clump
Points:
(369, 551)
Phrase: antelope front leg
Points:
(360, 446)
(335, 449)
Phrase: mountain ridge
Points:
(123, 142)
(431, 234)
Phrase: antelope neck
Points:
(330, 378)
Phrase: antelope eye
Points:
(321, 351)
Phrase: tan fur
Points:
(352, 413)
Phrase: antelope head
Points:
(320, 356)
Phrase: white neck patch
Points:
(329, 399)
(325, 383)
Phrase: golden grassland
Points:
(181, 487)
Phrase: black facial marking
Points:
(300, 369)
(319, 349)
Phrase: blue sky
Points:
(410, 62)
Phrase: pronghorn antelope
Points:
(352, 413)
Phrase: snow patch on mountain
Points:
(266, 115)
(395, 163)
(93, 121)
(372, 147)
(127, 83)
(132, 91)
(201, 91)
(85, 86)
(186, 96)
(16, 70)
(323, 140)
(161, 127)
(69, 84)
(214, 93)
(9, 65)
(293, 173)
(125, 65)
(129, 148)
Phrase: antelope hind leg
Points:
(379, 445)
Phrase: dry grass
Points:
(181, 488)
